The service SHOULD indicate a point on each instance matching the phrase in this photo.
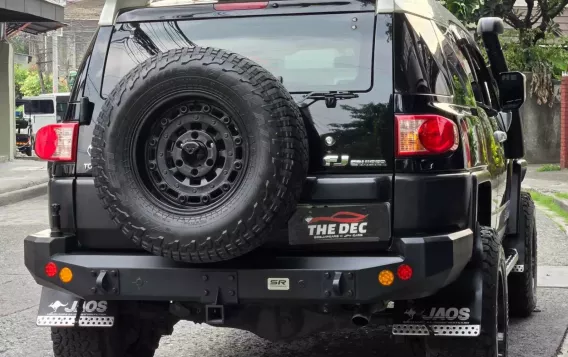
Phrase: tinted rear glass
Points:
(39, 107)
(327, 52)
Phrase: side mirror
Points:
(492, 25)
(512, 90)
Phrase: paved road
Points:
(539, 336)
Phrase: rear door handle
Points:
(500, 136)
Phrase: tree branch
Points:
(558, 9)
(530, 7)
(514, 20)
(536, 17)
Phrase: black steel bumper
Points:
(436, 262)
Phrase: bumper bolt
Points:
(232, 292)
(93, 273)
(327, 275)
(350, 276)
(327, 293)
(113, 273)
(114, 290)
(302, 283)
(206, 292)
(231, 278)
(93, 290)
(204, 278)
(350, 293)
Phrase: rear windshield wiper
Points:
(330, 98)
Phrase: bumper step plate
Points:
(436, 330)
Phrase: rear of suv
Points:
(287, 167)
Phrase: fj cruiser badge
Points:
(345, 160)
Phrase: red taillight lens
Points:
(51, 269)
(425, 135)
(57, 142)
(404, 272)
(241, 6)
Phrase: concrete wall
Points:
(7, 102)
(541, 125)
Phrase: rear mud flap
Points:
(59, 309)
(453, 311)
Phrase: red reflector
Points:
(404, 272)
(241, 6)
(57, 142)
(51, 269)
(425, 135)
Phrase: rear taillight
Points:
(241, 6)
(57, 142)
(425, 135)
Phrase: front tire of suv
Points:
(522, 285)
(129, 337)
(493, 339)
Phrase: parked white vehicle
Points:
(45, 109)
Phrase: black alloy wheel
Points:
(194, 156)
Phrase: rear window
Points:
(328, 52)
(36, 107)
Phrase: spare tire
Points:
(198, 154)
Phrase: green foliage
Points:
(548, 168)
(32, 87)
(532, 46)
(20, 45)
(20, 75)
(546, 61)
(467, 11)
(27, 83)
(550, 204)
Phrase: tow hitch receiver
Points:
(59, 309)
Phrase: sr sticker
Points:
(278, 284)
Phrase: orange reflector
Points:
(404, 272)
(65, 275)
(51, 269)
(386, 277)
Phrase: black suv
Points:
(287, 167)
